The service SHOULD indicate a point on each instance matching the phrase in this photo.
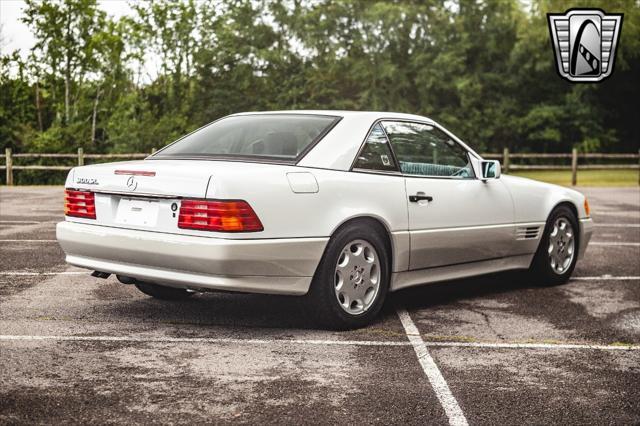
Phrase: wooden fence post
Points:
(505, 160)
(80, 157)
(9, 163)
(574, 167)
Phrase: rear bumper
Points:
(586, 230)
(278, 266)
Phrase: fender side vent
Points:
(528, 233)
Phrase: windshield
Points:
(275, 136)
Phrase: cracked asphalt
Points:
(97, 351)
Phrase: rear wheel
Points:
(163, 292)
(558, 251)
(352, 279)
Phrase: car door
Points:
(454, 217)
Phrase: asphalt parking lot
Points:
(77, 349)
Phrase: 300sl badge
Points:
(87, 181)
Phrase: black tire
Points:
(163, 292)
(541, 270)
(321, 298)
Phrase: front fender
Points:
(534, 200)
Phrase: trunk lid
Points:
(139, 178)
(142, 195)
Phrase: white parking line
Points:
(28, 241)
(430, 368)
(27, 222)
(533, 346)
(613, 243)
(34, 274)
(606, 278)
(215, 340)
(205, 340)
(612, 212)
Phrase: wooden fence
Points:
(80, 157)
(632, 161)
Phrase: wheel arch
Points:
(576, 215)
(574, 209)
(384, 230)
(321, 298)
(566, 203)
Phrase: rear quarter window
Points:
(376, 154)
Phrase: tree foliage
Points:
(483, 68)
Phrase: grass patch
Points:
(623, 177)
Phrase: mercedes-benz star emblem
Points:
(132, 183)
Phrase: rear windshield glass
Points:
(280, 137)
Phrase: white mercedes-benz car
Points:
(341, 207)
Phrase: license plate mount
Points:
(137, 212)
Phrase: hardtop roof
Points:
(344, 113)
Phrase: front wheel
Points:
(352, 279)
(558, 251)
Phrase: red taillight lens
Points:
(221, 216)
(79, 204)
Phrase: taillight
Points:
(221, 216)
(79, 204)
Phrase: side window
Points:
(425, 150)
(376, 154)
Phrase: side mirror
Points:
(490, 169)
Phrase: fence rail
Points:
(505, 157)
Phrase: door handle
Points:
(420, 197)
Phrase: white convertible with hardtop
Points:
(341, 207)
